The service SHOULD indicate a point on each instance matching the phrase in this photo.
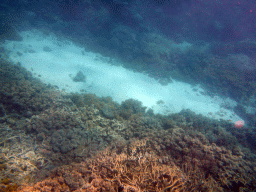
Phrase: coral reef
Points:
(222, 71)
(19, 158)
(53, 141)
(109, 171)
(21, 95)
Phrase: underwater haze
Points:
(164, 90)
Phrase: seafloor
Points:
(54, 141)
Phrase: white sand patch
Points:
(104, 79)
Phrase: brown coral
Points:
(109, 171)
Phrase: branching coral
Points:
(109, 171)
(143, 152)
(20, 158)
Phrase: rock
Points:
(47, 49)
(80, 77)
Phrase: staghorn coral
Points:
(208, 167)
(222, 167)
(146, 152)
(19, 156)
(109, 171)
